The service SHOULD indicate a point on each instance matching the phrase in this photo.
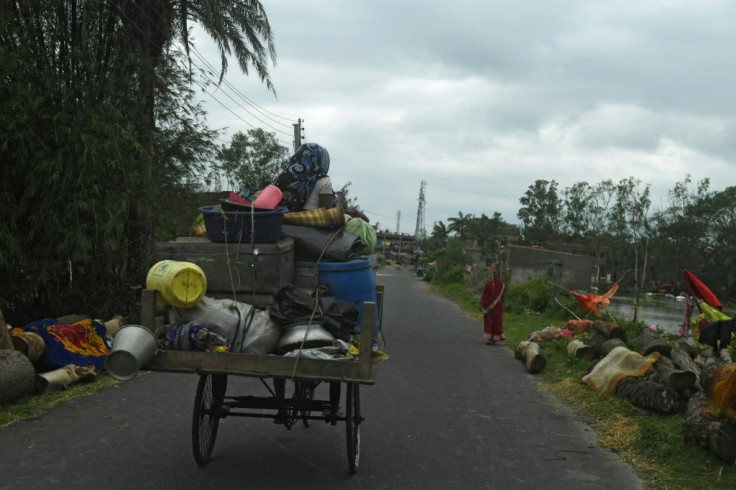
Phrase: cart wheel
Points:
(206, 418)
(304, 390)
(352, 423)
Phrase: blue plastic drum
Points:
(353, 281)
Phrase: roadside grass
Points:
(651, 443)
(35, 405)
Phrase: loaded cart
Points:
(290, 383)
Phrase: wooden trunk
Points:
(681, 357)
(577, 348)
(609, 345)
(610, 330)
(716, 435)
(529, 353)
(666, 372)
(647, 394)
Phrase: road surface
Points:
(447, 411)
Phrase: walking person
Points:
(492, 304)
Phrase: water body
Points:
(669, 315)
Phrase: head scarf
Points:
(310, 163)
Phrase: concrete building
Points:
(569, 270)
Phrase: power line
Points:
(204, 74)
(266, 113)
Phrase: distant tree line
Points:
(696, 229)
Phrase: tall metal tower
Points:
(398, 221)
(420, 233)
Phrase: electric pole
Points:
(298, 136)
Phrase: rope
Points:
(316, 300)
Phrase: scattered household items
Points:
(24, 355)
(304, 336)
(64, 377)
(192, 336)
(351, 281)
(331, 219)
(366, 233)
(322, 244)
(132, 347)
(306, 369)
(250, 272)
(252, 226)
(80, 343)
(269, 198)
(550, 332)
(179, 284)
(243, 327)
(293, 305)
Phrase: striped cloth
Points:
(332, 218)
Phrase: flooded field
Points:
(669, 315)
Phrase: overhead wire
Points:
(212, 95)
(204, 89)
(260, 109)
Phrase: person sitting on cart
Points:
(304, 183)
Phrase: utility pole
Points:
(298, 136)
(398, 232)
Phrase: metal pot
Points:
(312, 337)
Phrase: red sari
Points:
(492, 302)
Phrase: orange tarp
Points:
(590, 302)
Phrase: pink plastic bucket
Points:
(269, 198)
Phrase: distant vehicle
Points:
(420, 271)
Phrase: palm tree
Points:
(459, 225)
(238, 27)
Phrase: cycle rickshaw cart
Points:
(301, 404)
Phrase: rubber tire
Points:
(205, 418)
(352, 425)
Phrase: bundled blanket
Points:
(620, 363)
(81, 343)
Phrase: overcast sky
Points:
(480, 98)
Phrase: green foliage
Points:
(453, 275)
(253, 160)
(101, 143)
(450, 260)
(532, 295)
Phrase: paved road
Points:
(447, 412)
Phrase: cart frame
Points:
(212, 402)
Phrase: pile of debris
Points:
(653, 373)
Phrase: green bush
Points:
(455, 274)
(533, 295)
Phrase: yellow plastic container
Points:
(180, 284)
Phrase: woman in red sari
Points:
(492, 303)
